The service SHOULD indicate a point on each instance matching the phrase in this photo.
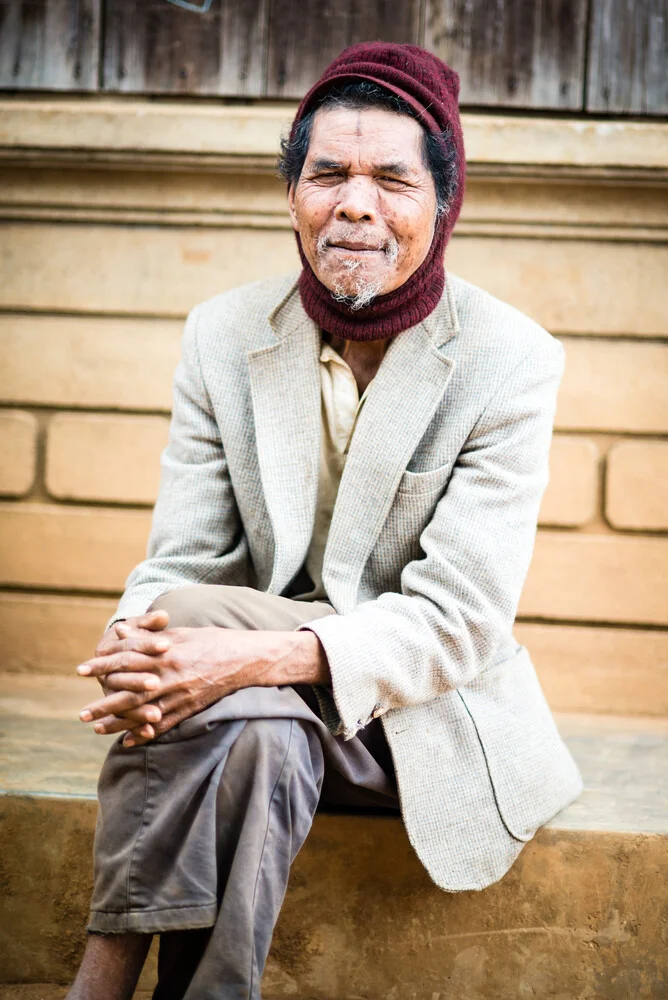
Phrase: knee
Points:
(188, 607)
(265, 740)
(197, 605)
(290, 745)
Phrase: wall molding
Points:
(193, 134)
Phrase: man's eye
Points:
(391, 180)
(330, 176)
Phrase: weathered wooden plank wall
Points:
(158, 47)
(594, 56)
(49, 44)
(529, 53)
(628, 57)
(304, 38)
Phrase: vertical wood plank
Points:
(628, 57)
(158, 47)
(512, 53)
(49, 44)
(304, 38)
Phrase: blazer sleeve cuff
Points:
(352, 701)
(329, 713)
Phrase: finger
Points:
(129, 661)
(155, 621)
(120, 681)
(149, 712)
(138, 716)
(118, 724)
(174, 709)
(110, 724)
(166, 723)
(141, 641)
(110, 636)
(174, 703)
(138, 737)
(124, 633)
(113, 704)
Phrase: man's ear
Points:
(291, 207)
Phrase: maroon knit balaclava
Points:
(431, 88)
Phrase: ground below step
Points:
(40, 991)
(581, 916)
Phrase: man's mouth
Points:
(354, 247)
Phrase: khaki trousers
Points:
(197, 830)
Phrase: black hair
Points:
(438, 149)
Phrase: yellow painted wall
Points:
(117, 217)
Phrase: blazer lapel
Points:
(285, 389)
(400, 403)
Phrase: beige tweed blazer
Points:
(429, 546)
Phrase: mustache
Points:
(389, 245)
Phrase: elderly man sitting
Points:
(345, 521)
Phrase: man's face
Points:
(365, 203)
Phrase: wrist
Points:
(295, 658)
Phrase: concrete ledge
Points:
(112, 129)
(580, 914)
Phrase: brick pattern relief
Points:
(18, 452)
(637, 485)
(110, 459)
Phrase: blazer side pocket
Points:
(425, 482)
(532, 772)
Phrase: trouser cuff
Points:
(179, 918)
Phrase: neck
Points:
(363, 357)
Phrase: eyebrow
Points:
(319, 165)
(397, 168)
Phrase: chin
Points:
(358, 294)
(348, 282)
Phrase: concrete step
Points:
(581, 916)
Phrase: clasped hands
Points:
(154, 677)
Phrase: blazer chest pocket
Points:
(430, 482)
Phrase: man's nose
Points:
(357, 202)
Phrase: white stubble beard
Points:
(364, 290)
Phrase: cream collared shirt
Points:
(340, 408)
